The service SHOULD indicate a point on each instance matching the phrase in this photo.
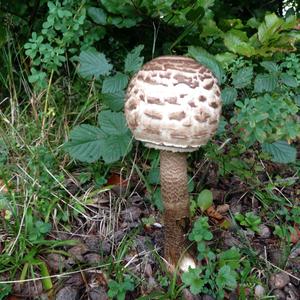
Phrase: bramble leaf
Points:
(93, 64)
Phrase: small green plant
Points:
(118, 290)
(63, 28)
(219, 273)
(249, 220)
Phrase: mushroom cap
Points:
(173, 103)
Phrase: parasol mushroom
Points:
(173, 104)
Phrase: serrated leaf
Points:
(267, 29)
(112, 123)
(281, 152)
(205, 200)
(98, 15)
(114, 83)
(85, 143)
(93, 64)
(208, 60)
(114, 101)
(228, 95)
(297, 99)
(133, 60)
(116, 146)
(265, 83)
(230, 257)
(238, 42)
(242, 77)
(289, 80)
(270, 66)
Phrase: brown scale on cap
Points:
(173, 93)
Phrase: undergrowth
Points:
(69, 166)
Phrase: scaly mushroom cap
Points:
(173, 103)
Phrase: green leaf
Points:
(207, 60)
(114, 101)
(281, 152)
(114, 83)
(297, 99)
(116, 146)
(98, 15)
(93, 64)
(289, 80)
(265, 83)
(226, 278)
(228, 95)
(112, 123)
(267, 29)
(133, 60)
(205, 200)
(270, 66)
(85, 143)
(193, 279)
(242, 78)
(238, 42)
(230, 257)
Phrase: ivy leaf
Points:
(242, 78)
(265, 83)
(112, 123)
(133, 60)
(289, 80)
(98, 15)
(114, 83)
(85, 143)
(207, 60)
(205, 199)
(115, 101)
(93, 64)
(281, 152)
(228, 95)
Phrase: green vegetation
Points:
(70, 171)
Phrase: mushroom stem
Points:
(174, 188)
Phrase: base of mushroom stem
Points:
(185, 262)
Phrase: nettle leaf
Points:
(93, 64)
(85, 143)
(265, 83)
(98, 15)
(288, 80)
(242, 77)
(114, 83)
(112, 123)
(281, 152)
(228, 95)
(208, 60)
(133, 60)
(114, 101)
(270, 66)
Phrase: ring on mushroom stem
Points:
(173, 104)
